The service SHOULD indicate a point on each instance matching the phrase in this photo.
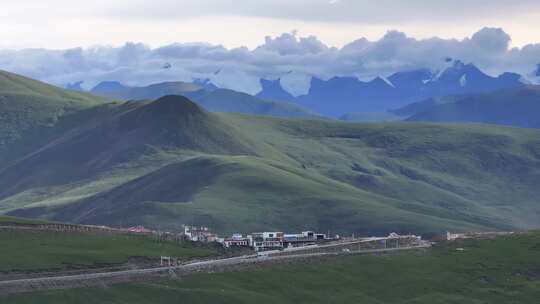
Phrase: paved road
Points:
(70, 281)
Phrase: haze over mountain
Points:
(168, 162)
(341, 95)
(336, 97)
(113, 89)
(206, 94)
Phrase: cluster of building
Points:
(259, 241)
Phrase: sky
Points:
(236, 42)
(67, 23)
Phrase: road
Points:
(103, 278)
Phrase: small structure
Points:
(199, 234)
(139, 230)
(452, 236)
(262, 241)
(394, 235)
(165, 259)
(305, 238)
(237, 240)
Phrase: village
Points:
(258, 241)
(277, 241)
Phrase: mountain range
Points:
(339, 96)
(169, 162)
(336, 97)
(519, 107)
(207, 95)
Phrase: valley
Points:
(307, 151)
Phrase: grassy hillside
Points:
(15, 84)
(169, 162)
(26, 104)
(6, 220)
(370, 117)
(482, 273)
(282, 174)
(134, 130)
(248, 194)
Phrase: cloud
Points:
(355, 11)
(290, 44)
(288, 56)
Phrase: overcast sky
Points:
(131, 41)
(66, 23)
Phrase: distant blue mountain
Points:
(514, 107)
(117, 90)
(466, 78)
(205, 83)
(341, 95)
(112, 89)
(75, 86)
(204, 93)
(537, 74)
(272, 90)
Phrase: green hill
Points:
(130, 132)
(168, 162)
(26, 104)
(370, 117)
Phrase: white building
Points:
(199, 234)
(237, 240)
(262, 241)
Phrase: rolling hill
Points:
(517, 107)
(168, 162)
(26, 104)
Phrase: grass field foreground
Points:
(43, 251)
(504, 270)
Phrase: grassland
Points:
(26, 104)
(264, 174)
(169, 162)
(6, 220)
(504, 270)
(45, 251)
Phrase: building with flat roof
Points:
(262, 241)
(237, 240)
(199, 234)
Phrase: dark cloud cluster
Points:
(288, 56)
